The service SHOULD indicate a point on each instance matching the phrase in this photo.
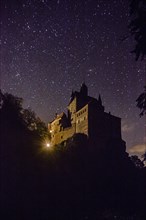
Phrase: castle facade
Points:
(85, 115)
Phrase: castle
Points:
(85, 115)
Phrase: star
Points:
(49, 48)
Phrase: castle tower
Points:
(100, 106)
(84, 90)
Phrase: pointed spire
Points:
(99, 99)
(83, 84)
(72, 94)
(100, 106)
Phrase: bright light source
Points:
(48, 145)
(50, 131)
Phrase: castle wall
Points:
(86, 115)
(103, 126)
(72, 110)
(62, 135)
(113, 124)
(82, 120)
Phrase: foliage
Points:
(11, 111)
(11, 107)
(144, 157)
(137, 29)
(138, 26)
(137, 162)
(34, 123)
(77, 143)
(141, 102)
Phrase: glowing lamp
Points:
(48, 145)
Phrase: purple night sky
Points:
(49, 47)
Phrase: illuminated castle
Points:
(85, 115)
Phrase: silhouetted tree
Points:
(138, 26)
(34, 123)
(10, 107)
(12, 112)
(144, 156)
(77, 143)
(141, 102)
(137, 162)
(137, 29)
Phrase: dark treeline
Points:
(69, 181)
(137, 27)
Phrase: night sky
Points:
(49, 47)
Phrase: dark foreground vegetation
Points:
(75, 181)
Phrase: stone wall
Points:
(62, 135)
(82, 120)
(103, 126)
(72, 110)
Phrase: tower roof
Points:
(99, 100)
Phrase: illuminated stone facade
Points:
(85, 115)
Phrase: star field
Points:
(49, 48)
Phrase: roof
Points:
(73, 95)
(61, 115)
(78, 95)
